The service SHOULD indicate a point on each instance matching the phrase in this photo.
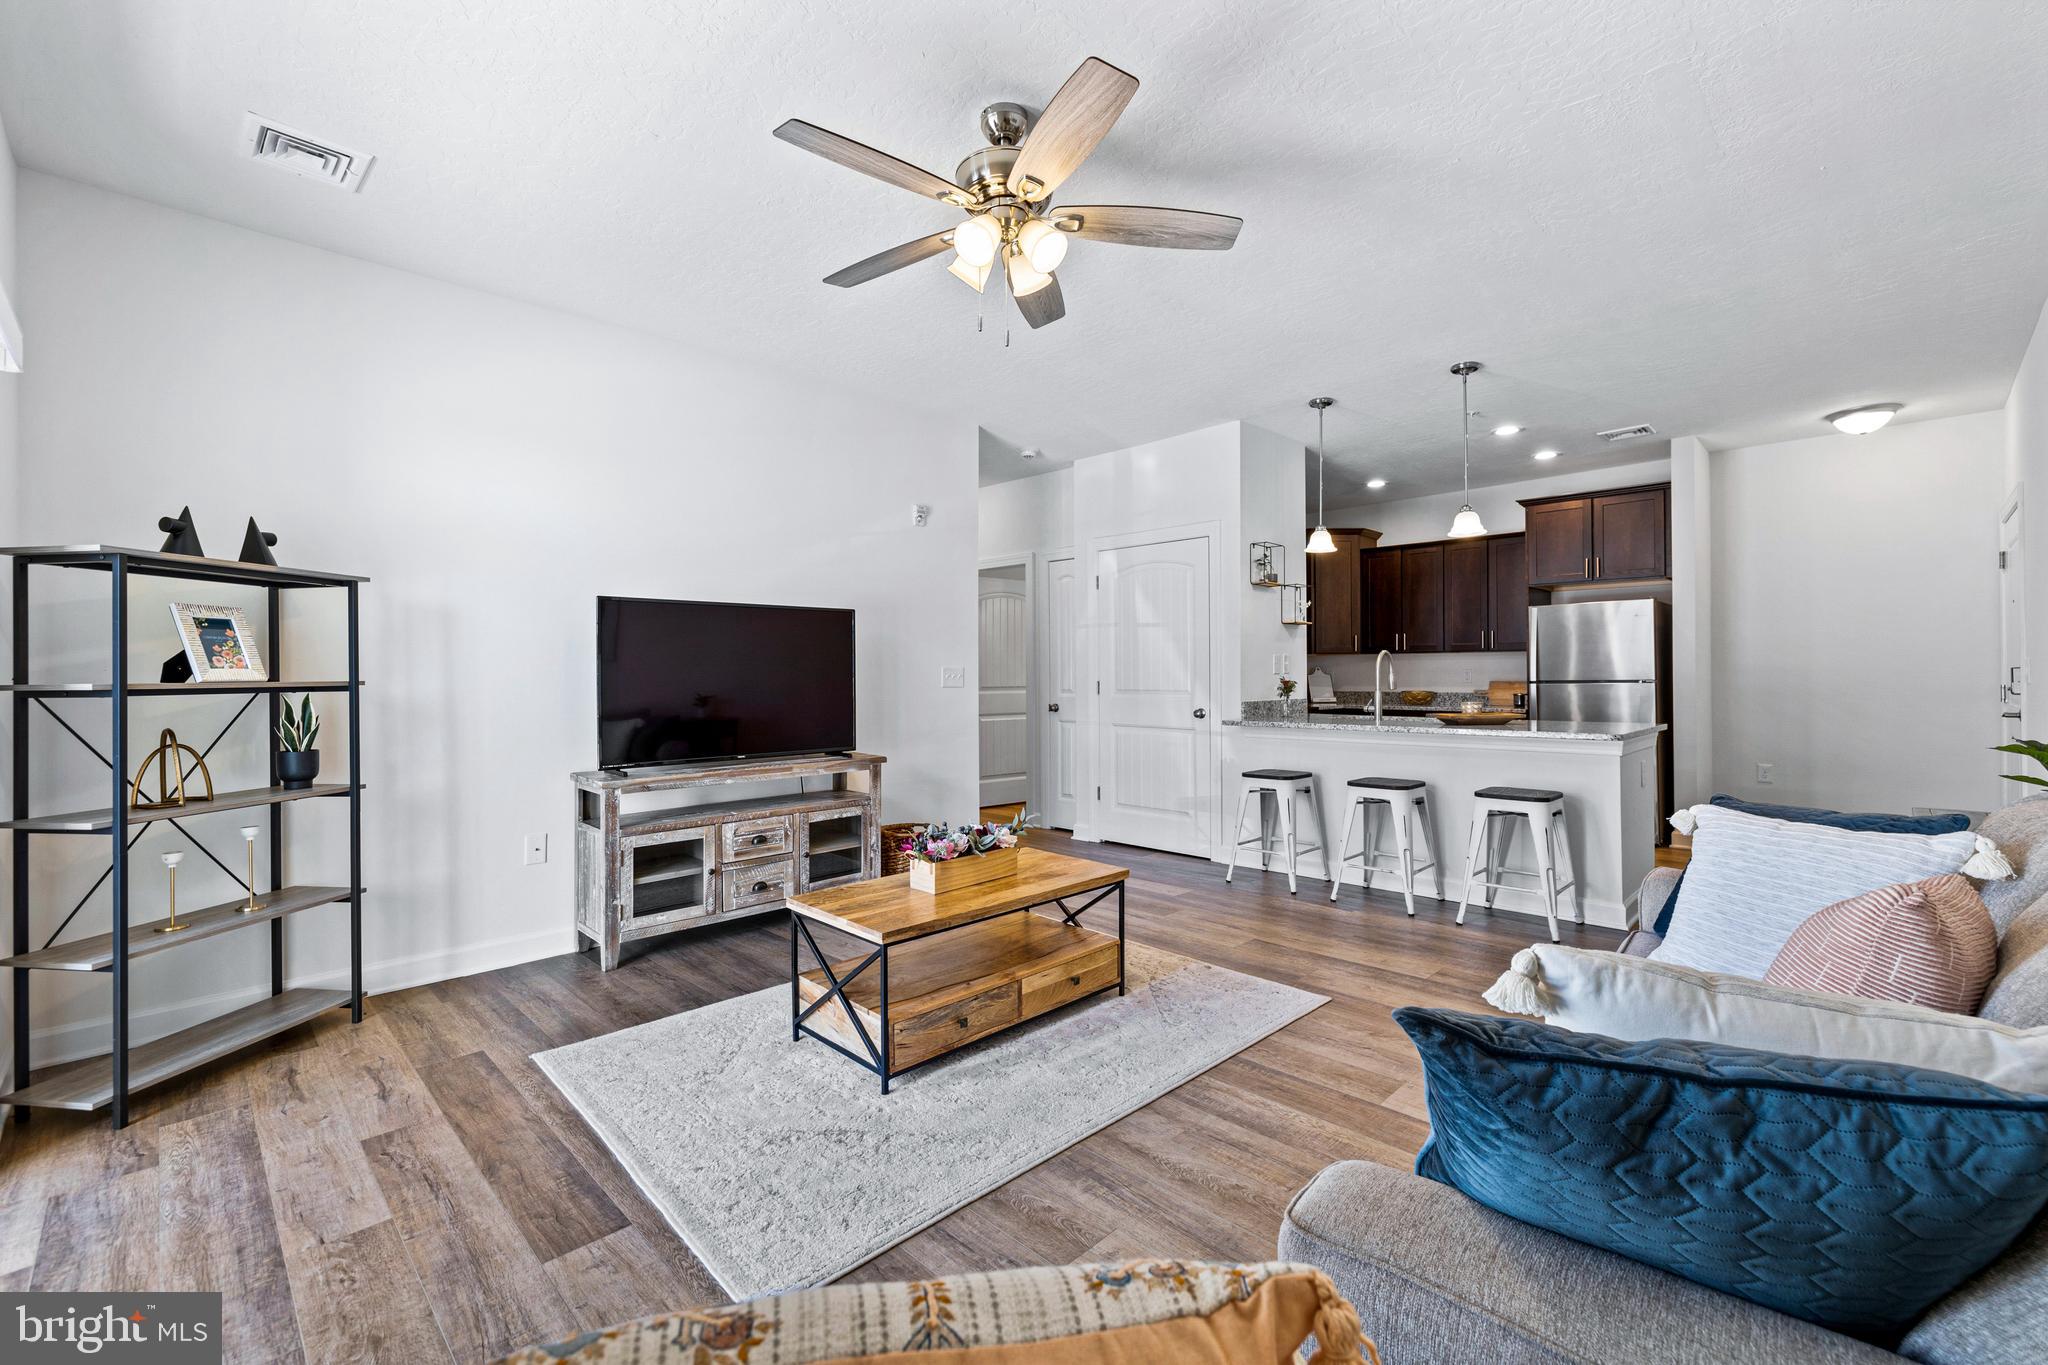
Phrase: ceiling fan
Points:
(1006, 188)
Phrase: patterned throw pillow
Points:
(1851, 1194)
(1189, 1312)
(1922, 943)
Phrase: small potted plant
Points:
(945, 859)
(298, 762)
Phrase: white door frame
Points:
(1090, 738)
(1045, 761)
(2012, 654)
(1028, 561)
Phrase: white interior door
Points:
(1005, 662)
(1059, 764)
(1153, 709)
(2012, 649)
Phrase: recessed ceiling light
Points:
(1544, 455)
(1375, 483)
(1509, 430)
(1864, 420)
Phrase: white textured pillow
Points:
(1752, 881)
(1637, 998)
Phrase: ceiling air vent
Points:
(1627, 433)
(288, 149)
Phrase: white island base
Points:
(1608, 774)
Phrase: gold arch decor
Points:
(170, 775)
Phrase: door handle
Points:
(1586, 567)
(1201, 713)
(1052, 706)
(1596, 566)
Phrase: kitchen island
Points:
(1606, 770)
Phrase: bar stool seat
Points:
(1284, 786)
(1402, 799)
(1554, 873)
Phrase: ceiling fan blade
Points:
(858, 156)
(1042, 306)
(895, 258)
(1137, 225)
(1078, 117)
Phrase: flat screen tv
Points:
(684, 682)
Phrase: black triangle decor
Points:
(256, 546)
(182, 538)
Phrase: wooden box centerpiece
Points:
(945, 859)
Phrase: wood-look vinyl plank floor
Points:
(414, 1189)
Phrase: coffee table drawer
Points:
(744, 885)
(1079, 976)
(921, 1037)
(757, 838)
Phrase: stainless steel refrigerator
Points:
(1607, 661)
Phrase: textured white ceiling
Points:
(1723, 218)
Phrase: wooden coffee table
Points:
(951, 968)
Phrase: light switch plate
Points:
(920, 514)
(953, 677)
(534, 849)
(1764, 774)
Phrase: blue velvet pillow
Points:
(1851, 1194)
(1872, 822)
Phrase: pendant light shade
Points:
(1467, 522)
(1319, 541)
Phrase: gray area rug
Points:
(783, 1166)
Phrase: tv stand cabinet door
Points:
(838, 846)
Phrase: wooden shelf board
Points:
(845, 843)
(164, 689)
(945, 968)
(886, 910)
(97, 953)
(89, 1084)
(99, 821)
(640, 822)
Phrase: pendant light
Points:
(1467, 522)
(1319, 542)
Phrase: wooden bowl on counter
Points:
(1478, 717)
(1415, 697)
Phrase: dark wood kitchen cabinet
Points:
(1422, 599)
(1622, 534)
(1468, 593)
(1508, 592)
(1379, 573)
(1336, 625)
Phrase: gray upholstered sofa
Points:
(1438, 1278)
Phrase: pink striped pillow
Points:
(1928, 943)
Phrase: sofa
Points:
(1438, 1277)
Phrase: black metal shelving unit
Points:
(106, 1082)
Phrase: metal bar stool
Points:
(1285, 786)
(1402, 798)
(1544, 810)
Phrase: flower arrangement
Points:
(1287, 686)
(941, 843)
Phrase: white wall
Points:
(1855, 616)
(1692, 621)
(2026, 467)
(10, 390)
(1272, 477)
(493, 467)
(1025, 516)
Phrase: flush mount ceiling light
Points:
(1375, 484)
(1544, 455)
(1319, 541)
(1864, 420)
(1006, 191)
(1467, 522)
(1507, 429)
(1030, 453)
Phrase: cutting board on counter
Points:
(1500, 694)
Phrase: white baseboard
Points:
(70, 1041)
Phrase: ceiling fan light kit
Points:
(1006, 187)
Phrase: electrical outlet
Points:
(1763, 774)
(535, 849)
(953, 677)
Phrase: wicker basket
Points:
(894, 859)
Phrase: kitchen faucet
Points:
(1387, 657)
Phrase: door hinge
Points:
(1098, 580)
(1098, 687)
(2001, 559)
(1098, 793)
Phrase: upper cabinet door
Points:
(1508, 562)
(1560, 541)
(1467, 594)
(1333, 597)
(1380, 599)
(1422, 598)
(1630, 537)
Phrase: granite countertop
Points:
(1362, 726)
